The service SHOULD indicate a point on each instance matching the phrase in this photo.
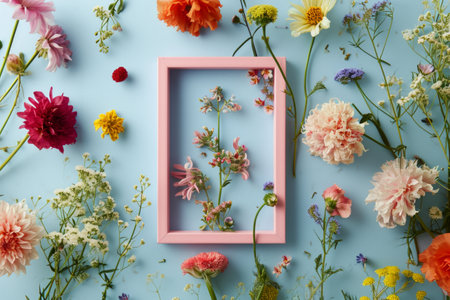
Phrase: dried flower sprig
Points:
(108, 23)
(193, 180)
(79, 243)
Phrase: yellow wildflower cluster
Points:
(262, 14)
(368, 281)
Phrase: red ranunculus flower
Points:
(50, 122)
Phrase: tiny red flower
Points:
(120, 74)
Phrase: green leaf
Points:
(226, 182)
(318, 261)
(319, 86)
(1, 45)
(365, 118)
(121, 7)
(106, 271)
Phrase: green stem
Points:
(324, 236)
(218, 150)
(305, 80)
(9, 47)
(212, 294)
(17, 78)
(290, 92)
(12, 108)
(254, 235)
(252, 41)
(14, 152)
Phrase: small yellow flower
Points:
(311, 17)
(390, 280)
(368, 281)
(110, 123)
(418, 278)
(392, 297)
(392, 270)
(262, 14)
(364, 298)
(381, 272)
(420, 295)
(407, 273)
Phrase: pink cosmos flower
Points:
(205, 263)
(19, 234)
(53, 44)
(332, 133)
(397, 188)
(190, 177)
(337, 203)
(36, 12)
(50, 122)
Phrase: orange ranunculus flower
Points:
(436, 261)
(190, 15)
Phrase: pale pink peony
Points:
(205, 263)
(54, 46)
(337, 204)
(332, 133)
(19, 234)
(397, 188)
(36, 12)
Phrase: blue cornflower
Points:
(361, 259)
(313, 211)
(124, 297)
(344, 76)
(268, 186)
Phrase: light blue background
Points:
(88, 83)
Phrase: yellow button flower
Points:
(381, 272)
(110, 123)
(364, 298)
(420, 295)
(390, 280)
(418, 278)
(392, 297)
(262, 14)
(368, 281)
(407, 273)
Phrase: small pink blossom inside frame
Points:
(167, 236)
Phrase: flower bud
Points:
(229, 222)
(236, 20)
(15, 65)
(270, 199)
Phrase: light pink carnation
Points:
(54, 46)
(337, 204)
(19, 234)
(36, 12)
(205, 263)
(332, 133)
(397, 188)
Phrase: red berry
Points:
(120, 74)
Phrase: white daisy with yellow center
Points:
(311, 17)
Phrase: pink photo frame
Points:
(164, 234)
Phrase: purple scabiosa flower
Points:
(333, 226)
(344, 76)
(361, 259)
(313, 211)
(268, 186)
(124, 297)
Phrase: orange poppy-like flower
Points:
(190, 15)
(436, 261)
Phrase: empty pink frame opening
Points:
(165, 234)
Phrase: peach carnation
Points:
(436, 261)
(19, 234)
(332, 133)
(397, 188)
(190, 15)
(205, 263)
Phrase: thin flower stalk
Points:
(11, 39)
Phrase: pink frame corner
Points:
(164, 234)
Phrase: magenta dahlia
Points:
(50, 122)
